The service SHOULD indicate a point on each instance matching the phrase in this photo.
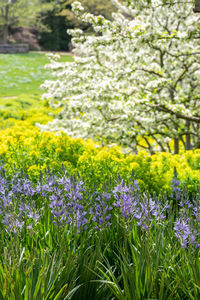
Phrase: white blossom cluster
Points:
(137, 75)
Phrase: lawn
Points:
(21, 76)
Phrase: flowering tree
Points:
(138, 76)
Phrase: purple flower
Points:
(66, 205)
(101, 209)
(127, 198)
(185, 233)
(12, 222)
(80, 220)
(149, 211)
(196, 211)
(134, 205)
(176, 189)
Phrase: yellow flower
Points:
(59, 150)
(3, 149)
(134, 166)
(34, 153)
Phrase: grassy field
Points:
(20, 78)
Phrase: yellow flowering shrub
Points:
(24, 146)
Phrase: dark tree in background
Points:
(96, 7)
(197, 6)
(62, 18)
(56, 38)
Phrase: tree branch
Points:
(178, 115)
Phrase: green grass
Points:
(20, 78)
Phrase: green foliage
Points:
(56, 38)
(152, 268)
(23, 144)
(97, 7)
(20, 12)
(61, 18)
(51, 262)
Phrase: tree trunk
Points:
(5, 28)
(5, 34)
(176, 139)
(176, 146)
(198, 137)
(188, 136)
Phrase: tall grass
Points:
(125, 252)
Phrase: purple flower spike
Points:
(185, 233)
(176, 189)
(101, 210)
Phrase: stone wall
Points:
(14, 48)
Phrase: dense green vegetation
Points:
(70, 227)
(49, 18)
(62, 18)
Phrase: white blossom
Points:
(137, 76)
